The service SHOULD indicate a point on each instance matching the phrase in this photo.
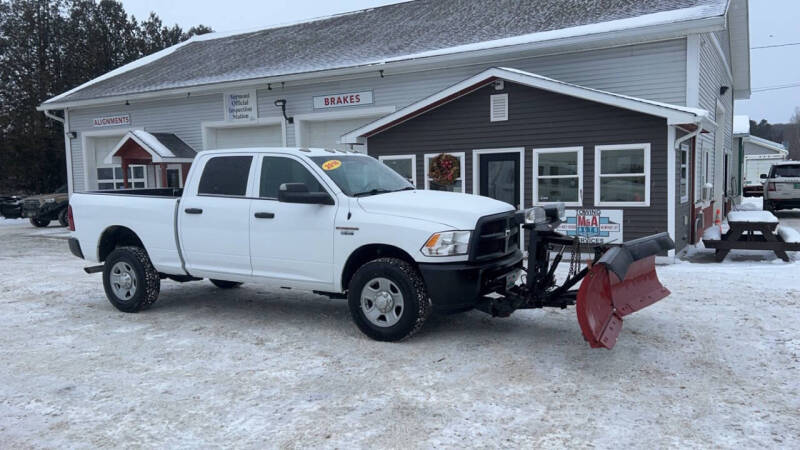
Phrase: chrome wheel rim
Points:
(123, 280)
(382, 302)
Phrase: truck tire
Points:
(39, 223)
(222, 284)
(130, 280)
(388, 300)
(62, 218)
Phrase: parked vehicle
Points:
(11, 206)
(42, 209)
(756, 168)
(782, 186)
(347, 226)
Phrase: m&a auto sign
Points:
(593, 226)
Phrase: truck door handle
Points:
(264, 215)
(193, 211)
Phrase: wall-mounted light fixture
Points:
(72, 134)
(269, 86)
(723, 90)
(381, 72)
(281, 103)
(127, 103)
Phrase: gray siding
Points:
(754, 149)
(541, 119)
(653, 70)
(181, 116)
(713, 75)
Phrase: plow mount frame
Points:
(599, 310)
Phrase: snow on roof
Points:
(163, 147)
(675, 115)
(766, 143)
(376, 36)
(741, 124)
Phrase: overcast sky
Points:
(771, 22)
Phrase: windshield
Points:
(786, 171)
(361, 175)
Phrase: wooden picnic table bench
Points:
(752, 230)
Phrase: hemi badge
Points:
(347, 231)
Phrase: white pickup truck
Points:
(340, 224)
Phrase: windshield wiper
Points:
(372, 192)
(382, 191)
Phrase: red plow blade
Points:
(621, 282)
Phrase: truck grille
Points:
(495, 236)
(30, 206)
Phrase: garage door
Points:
(326, 134)
(242, 137)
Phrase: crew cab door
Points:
(291, 243)
(213, 218)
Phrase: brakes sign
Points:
(331, 164)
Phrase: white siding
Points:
(655, 71)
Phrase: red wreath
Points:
(444, 169)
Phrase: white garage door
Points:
(326, 134)
(243, 137)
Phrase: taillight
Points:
(772, 187)
(70, 219)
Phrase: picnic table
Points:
(754, 230)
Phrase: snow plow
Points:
(615, 282)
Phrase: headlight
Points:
(447, 243)
(551, 212)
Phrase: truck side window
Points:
(276, 170)
(225, 175)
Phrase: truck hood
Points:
(460, 211)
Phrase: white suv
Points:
(782, 186)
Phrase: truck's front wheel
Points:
(388, 300)
(130, 280)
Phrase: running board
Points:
(93, 269)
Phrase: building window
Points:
(458, 186)
(558, 175)
(683, 154)
(405, 165)
(110, 178)
(622, 175)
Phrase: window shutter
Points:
(498, 107)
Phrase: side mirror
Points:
(298, 193)
(763, 176)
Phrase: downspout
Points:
(50, 115)
(740, 188)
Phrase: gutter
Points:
(52, 116)
(618, 38)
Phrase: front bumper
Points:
(455, 287)
(75, 247)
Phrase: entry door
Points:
(500, 177)
(290, 241)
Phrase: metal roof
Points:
(402, 31)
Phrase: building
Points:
(758, 155)
(314, 83)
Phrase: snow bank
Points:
(752, 216)
(712, 234)
(4, 221)
(789, 234)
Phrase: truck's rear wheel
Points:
(388, 300)
(130, 280)
(39, 223)
(62, 218)
(222, 284)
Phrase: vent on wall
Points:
(498, 107)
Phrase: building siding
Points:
(712, 76)
(537, 119)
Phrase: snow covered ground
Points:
(716, 364)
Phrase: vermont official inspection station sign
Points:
(593, 226)
(241, 105)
